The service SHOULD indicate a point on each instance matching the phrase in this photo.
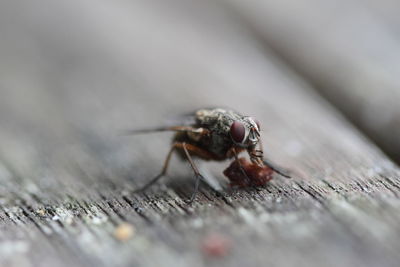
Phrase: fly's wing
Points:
(188, 119)
(177, 123)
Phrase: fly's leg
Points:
(275, 169)
(162, 173)
(186, 148)
(257, 156)
(195, 150)
(246, 177)
(195, 169)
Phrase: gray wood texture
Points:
(75, 73)
(350, 51)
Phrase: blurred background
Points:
(323, 77)
(88, 67)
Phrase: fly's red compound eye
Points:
(237, 131)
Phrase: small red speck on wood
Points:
(216, 245)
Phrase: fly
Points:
(219, 134)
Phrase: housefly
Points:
(219, 134)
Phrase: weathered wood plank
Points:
(67, 178)
(349, 50)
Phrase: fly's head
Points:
(245, 132)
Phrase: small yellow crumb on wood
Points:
(41, 212)
(124, 232)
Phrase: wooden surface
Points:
(350, 51)
(74, 74)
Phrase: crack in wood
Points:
(137, 209)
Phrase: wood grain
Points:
(72, 81)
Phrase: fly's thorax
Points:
(217, 120)
(242, 131)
